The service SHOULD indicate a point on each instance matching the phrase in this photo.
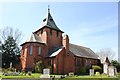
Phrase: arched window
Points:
(39, 50)
(41, 31)
(86, 62)
(51, 32)
(31, 50)
(57, 33)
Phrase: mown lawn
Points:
(37, 75)
(91, 78)
(100, 77)
(33, 75)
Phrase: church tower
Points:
(50, 33)
(42, 44)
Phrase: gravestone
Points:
(10, 64)
(105, 68)
(116, 71)
(91, 72)
(15, 70)
(111, 71)
(46, 74)
(71, 74)
(46, 71)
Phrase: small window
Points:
(41, 31)
(86, 62)
(31, 50)
(83, 62)
(75, 62)
(49, 62)
(39, 50)
(90, 61)
(51, 19)
(44, 20)
(57, 33)
(34, 61)
(50, 31)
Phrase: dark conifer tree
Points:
(10, 51)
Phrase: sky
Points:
(89, 24)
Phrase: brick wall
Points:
(52, 40)
(27, 60)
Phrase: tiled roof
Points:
(34, 38)
(55, 51)
(82, 51)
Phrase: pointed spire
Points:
(49, 22)
(48, 8)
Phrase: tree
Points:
(10, 39)
(116, 64)
(10, 50)
(107, 52)
(9, 31)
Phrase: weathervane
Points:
(48, 8)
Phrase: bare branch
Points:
(9, 31)
(107, 52)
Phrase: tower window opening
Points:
(51, 19)
(50, 31)
(41, 31)
(57, 33)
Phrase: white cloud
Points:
(89, 28)
(87, 32)
(94, 34)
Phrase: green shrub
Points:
(39, 67)
(82, 70)
(96, 68)
(97, 73)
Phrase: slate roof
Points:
(76, 50)
(34, 38)
(82, 51)
(49, 22)
(55, 51)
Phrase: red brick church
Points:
(48, 44)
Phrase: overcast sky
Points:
(89, 24)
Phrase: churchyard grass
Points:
(118, 75)
(37, 76)
(100, 77)
(33, 75)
